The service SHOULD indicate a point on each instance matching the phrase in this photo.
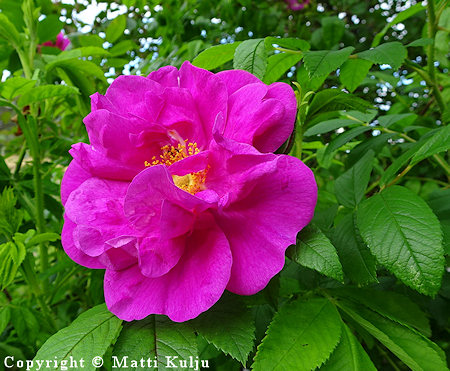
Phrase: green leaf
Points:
(251, 56)
(388, 120)
(332, 100)
(439, 142)
(329, 125)
(405, 236)
(278, 64)
(43, 237)
(350, 186)
(116, 28)
(86, 67)
(155, 338)
(25, 323)
(349, 355)
(91, 40)
(314, 250)
(229, 326)
(122, 47)
(87, 337)
(10, 217)
(416, 351)
(301, 337)
(49, 28)
(8, 31)
(287, 43)
(321, 62)
(306, 83)
(421, 42)
(391, 305)
(8, 268)
(357, 261)
(345, 137)
(399, 17)
(5, 316)
(393, 53)
(15, 86)
(88, 51)
(43, 92)
(215, 56)
(376, 144)
(353, 73)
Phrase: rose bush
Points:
(179, 195)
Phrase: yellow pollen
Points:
(193, 182)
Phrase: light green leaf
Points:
(87, 337)
(97, 51)
(357, 261)
(44, 92)
(345, 137)
(421, 42)
(155, 337)
(278, 64)
(91, 40)
(353, 73)
(349, 355)
(393, 53)
(49, 28)
(15, 86)
(333, 100)
(86, 67)
(416, 351)
(229, 326)
(251, 56)
(215, 56)
(405, 236)
(287, 43)
(350, 186)
(43, 237)
(314, 250)
(321, 62)
(391, 305)
(122, 47)
(116, 28)
(10, 216)
(329, 125)
(8, 31)
(301, 337)
(306, 83)
(8, 269)
(439, 142)
(388, 120)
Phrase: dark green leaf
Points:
(321, 62)
(45, 91)
(87, 337)
(391, 305)
(405, 236)
(350, 186)
(353, 73)
(86, 67)
(301, 337)
(287, 43)
(376, 144)
(215, 56)
(278, 64)
(229, 326)
(8, 31)
(49, 28)
(155, 338)
(314, 250)
(306, 83)
(91, 40)
(251, 56)
(357, 261)
(25, 323)
(416, 351)
(393, 53)
(122, 47)
(349, 355)
(116, 28)
(388, 120)
(5, 316)
(10, 216)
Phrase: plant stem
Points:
(30, 277)
(22, 152)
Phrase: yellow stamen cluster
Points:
(193, 182)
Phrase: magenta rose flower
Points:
(61, 42)
(179, 195)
